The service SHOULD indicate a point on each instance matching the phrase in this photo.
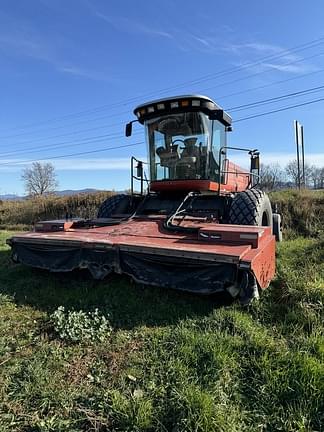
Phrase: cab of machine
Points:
(184, 135)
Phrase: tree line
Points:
(40, 178)
(274, 176)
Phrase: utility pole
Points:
(299, 140)
(297, 148)
(303, 154)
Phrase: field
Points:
(22, 214)
(171, 362)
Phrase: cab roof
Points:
(180, 104)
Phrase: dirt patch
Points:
(105, 360)
(116, 360)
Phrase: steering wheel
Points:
(183, 141)
(177, 140)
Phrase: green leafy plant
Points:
(80, 326)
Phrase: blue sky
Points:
(71, 73)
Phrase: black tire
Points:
(251, 207)
(116, 204)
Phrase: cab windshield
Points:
(184, 146)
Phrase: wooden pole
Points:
(297, 148)
(303, 154)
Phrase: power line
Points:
(270, 84)
(141, 142)
(116, 124)
(275, 99)
(77, 132)
(79, 141)
(219, 85)
(279, 110)
(138, 143)
(220, 97)
(98, 138)
(261, 72)
(228, 71)
(72, 154)
(63, 126)
(298, 48)
(247, 65)
(89, 140)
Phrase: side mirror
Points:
(129, 128)
(139, 169)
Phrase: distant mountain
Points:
(75, 192)
(13, 197)
(10, 197)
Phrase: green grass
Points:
(22, 214)
(302, 211)
(174, 362)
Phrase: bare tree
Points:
(271, 176)
(39, 179)
(317, 177)
(321, 182)
(292, 172)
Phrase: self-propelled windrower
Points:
(199, 224)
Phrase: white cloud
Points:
(73, 164)
(293, 68)
(282, 159)
(123, 164)
(276, 57)
(263, 47)
(84, 73)
(260, 48)
(23, 41)
(131, 26)
(203, 41)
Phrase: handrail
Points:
(252, 152)
(140, 178)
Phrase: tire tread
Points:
(107, 208)
(246, 206)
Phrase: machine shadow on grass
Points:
(129, 304)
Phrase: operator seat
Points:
(168, 157)
(189, 164)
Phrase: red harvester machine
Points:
(201, 226)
